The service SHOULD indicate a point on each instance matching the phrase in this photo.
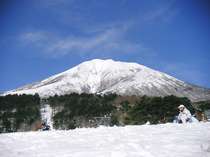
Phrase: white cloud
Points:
(111, 40)
(38, 39)
(33, 36)
(162, 12)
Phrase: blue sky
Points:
(39, 38)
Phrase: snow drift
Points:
(190, 140)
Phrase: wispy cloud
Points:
(110, 40)
(33, 37)
(162, 12)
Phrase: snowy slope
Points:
(46, 115)
(108, 76)
(166, 140)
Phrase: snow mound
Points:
(190, 140)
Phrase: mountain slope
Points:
(108, 76)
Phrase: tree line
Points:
(77, 110)
(20, 112)
(153, 109)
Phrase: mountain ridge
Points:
(108, 76)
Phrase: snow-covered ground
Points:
(166, 140)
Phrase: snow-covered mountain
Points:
(108, 76)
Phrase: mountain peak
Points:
(108, 63)
(109, 76)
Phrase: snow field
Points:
(165, 140)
